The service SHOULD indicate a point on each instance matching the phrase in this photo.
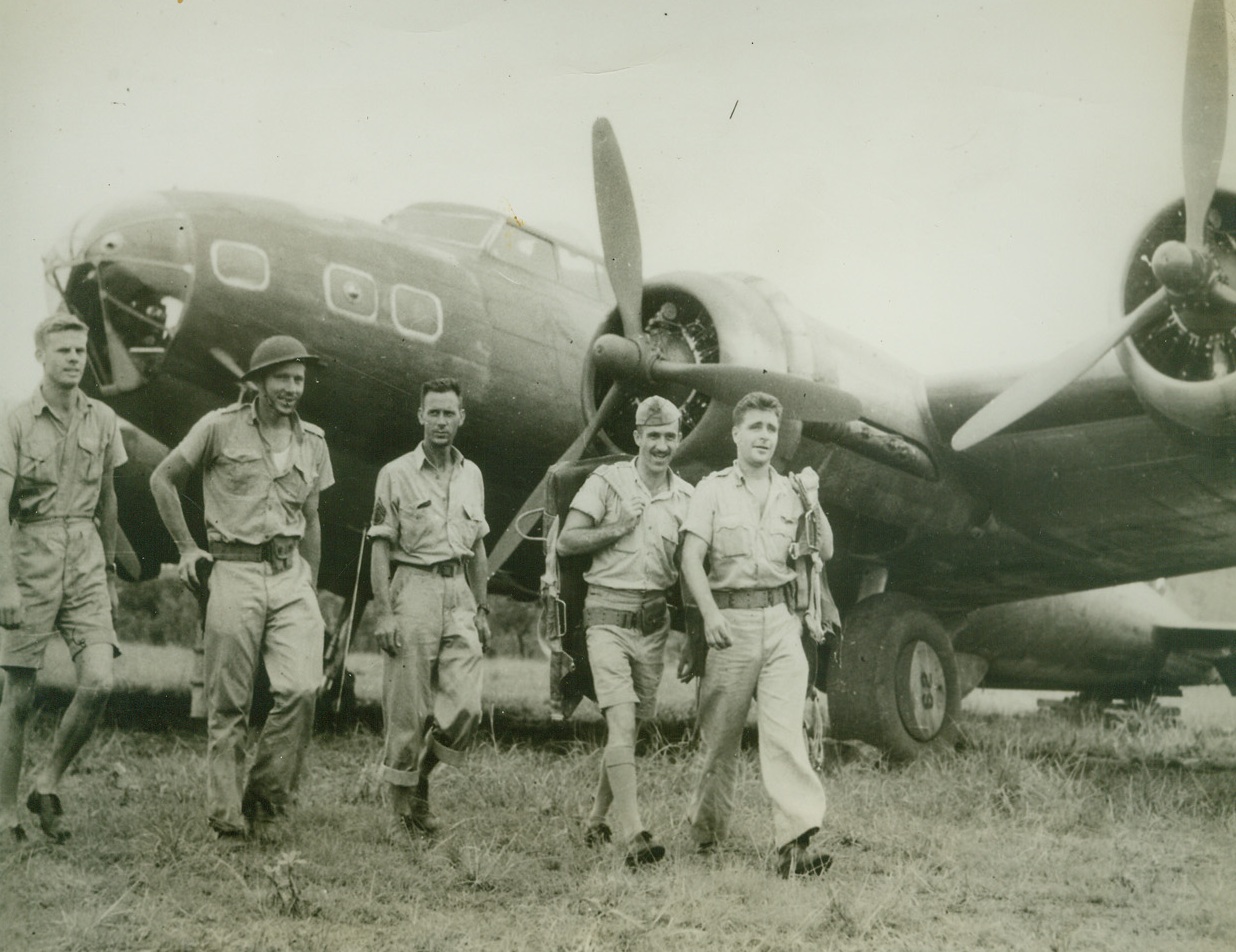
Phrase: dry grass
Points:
(1042, 835)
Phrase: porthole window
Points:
(239, 265)
(416, 313)
(351, 293)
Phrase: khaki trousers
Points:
(765, 661)
(255, 613)
(435, 679)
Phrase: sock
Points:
(620, 769)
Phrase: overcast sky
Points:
(956, 181)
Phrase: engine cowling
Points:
(1183, 366)
(700, 318)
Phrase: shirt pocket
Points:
(242, 471)
(731, 538)
(37, 462)
(294, 484)
(90, 457)
(669, 532)
(417, 521)
(782, 530)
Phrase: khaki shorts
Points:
(627, 666)
(63, 583)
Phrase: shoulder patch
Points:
(379, 513)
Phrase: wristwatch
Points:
(483, 608)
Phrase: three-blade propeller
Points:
(1182, 270)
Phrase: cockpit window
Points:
(525, 250)
(580, 273)
(457, 227)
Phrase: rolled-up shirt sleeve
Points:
(592, 498)
(116, 454)
(8, 446)
(702, 512)
(385, 522)
(196, 446)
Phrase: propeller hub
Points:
(621, 358)
(1185, 272)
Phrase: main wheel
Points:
(892, 679)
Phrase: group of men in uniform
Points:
(263, 469)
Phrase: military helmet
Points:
(277, 350)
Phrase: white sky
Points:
(956, 181)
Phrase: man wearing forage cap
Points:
(628, 516)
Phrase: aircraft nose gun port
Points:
(127, 271)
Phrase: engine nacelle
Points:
(702, 318)
(1183, 366)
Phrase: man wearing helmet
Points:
(262, 471)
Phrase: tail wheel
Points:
(892, 679)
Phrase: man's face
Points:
(441, 416)
(755, 437)
(283, 386)
(656, 446)
(63, 356)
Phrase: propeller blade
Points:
(1204, 125)
(227, 361)
(536, 499)
(1041, 384)
(808, 400)
(619, 227)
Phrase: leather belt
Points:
(448, 569)
(278, 552)
(749, 597)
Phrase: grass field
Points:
(1042, 834)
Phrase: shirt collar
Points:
(775, 478)
(38, 403)
(420, 460)
(673, 483)
(250, 410)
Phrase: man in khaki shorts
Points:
(57, 563)
(262, 471)
(628, 516)
(744, 519)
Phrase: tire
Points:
(892, 680)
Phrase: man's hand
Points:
(387, 633)
(482, 629)
(716, 629)
(10, 606)
(112, 595)
(186, 570)
(630, 513)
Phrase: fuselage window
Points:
(416, 313)
(579, 273)
(525, 250)
(351, 293)
(239, 265)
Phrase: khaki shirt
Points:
(58, 465)
(746, 548)
(645, 558)
(247, 497)
(426, 518)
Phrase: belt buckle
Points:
(447, 569)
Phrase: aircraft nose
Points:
(126, 269)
